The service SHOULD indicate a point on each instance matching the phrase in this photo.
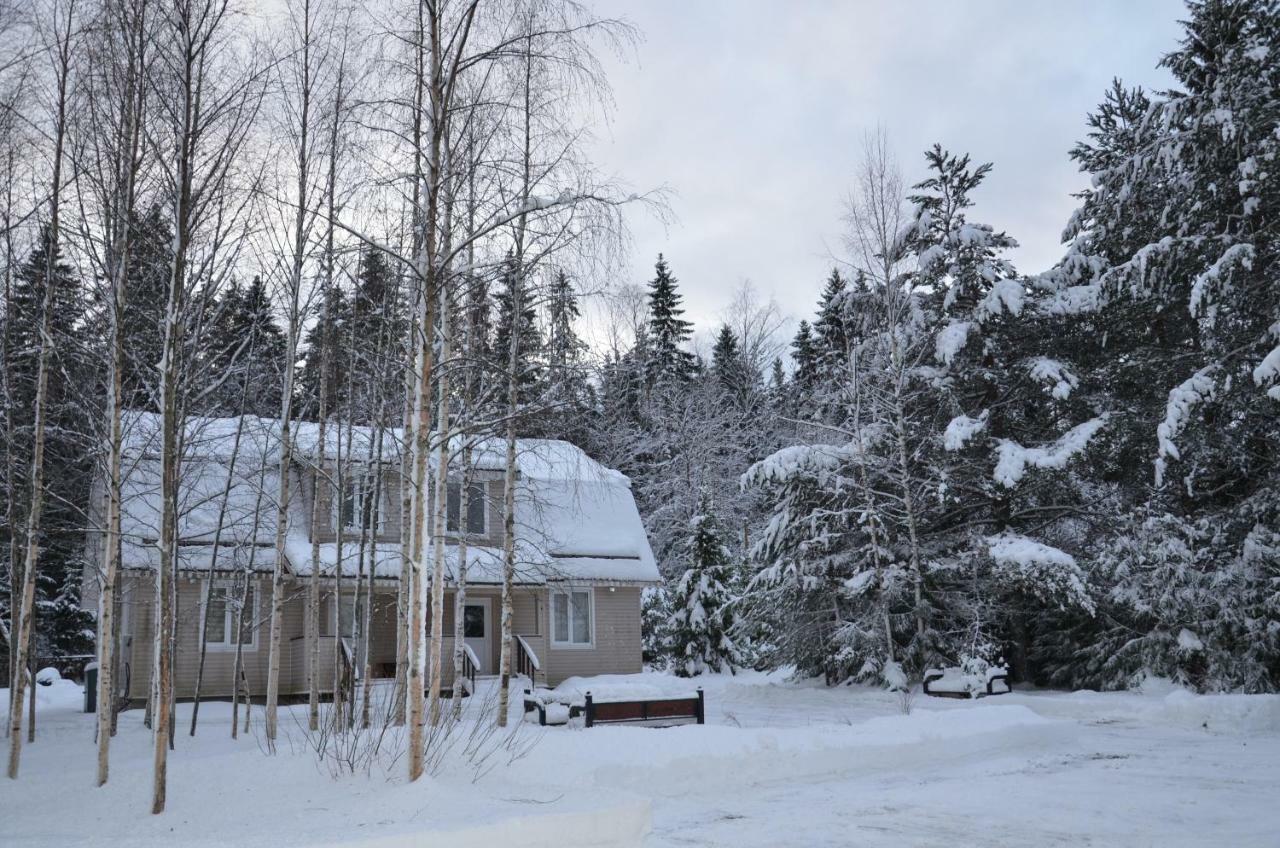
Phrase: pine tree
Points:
(567, 394)
(61, 627)
(702, 617)
(150, 260)
(728, 368)
(804, 359)
(668, 362)
(530, 371)
(831, 337)
(247, 343)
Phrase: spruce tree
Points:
(702, 616)
(668, 362)
(804, 359)
(150, 264)
(61, 627)
(530, 371)
(567, 393)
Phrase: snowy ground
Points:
(778, 764)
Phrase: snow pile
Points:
(1014, 459)
(961, 429)
(616, 687)
(689, 758)
(48, 676)
(951, 340)
(1183, 399)
(1053, 374)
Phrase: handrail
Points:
(470, 666)
(528, 653)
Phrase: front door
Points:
(477, 630)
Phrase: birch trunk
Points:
(301, 224)
(22, 629)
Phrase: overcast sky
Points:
(752, 112)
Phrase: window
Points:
(345, 612)
(473, 621)
(353, 511)
(220, 616)
(571, 618)
(475, 508)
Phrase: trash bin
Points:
(91, 687)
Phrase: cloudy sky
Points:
(752, 113)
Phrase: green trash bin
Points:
(91, 687)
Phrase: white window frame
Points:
(360, 479)
(229, 616)
(484, 500)
(568, 592)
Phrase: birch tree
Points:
(207, 98)
(60, 52)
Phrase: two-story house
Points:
(582, 557)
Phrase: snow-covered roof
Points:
(575, 518)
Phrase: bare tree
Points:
(206, 110)
(61, 51)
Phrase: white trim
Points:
(229, 619)
(568, 592)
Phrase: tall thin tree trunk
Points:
(22, 630)
(300, 226)
(217, 541)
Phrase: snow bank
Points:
(619, 825)
(692, 757)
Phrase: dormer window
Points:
(477, 509)
(354, 510)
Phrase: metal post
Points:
(702, 707)
(590, 712)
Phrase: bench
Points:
(935, 675)
(649, 712)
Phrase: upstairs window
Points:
(477, 511)
(220, 616)
(353, 504)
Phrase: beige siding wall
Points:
(617, 648)
(219, 660)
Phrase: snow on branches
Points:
(1183, 399)
(1046, 571)
(1014, 459)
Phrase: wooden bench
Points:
(653, 712)
(650, 712)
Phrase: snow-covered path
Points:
(1120, 786)
(1136, 771)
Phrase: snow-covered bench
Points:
(618, 707)
(956, 682)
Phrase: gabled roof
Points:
(575, 518)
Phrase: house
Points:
(582, 557)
